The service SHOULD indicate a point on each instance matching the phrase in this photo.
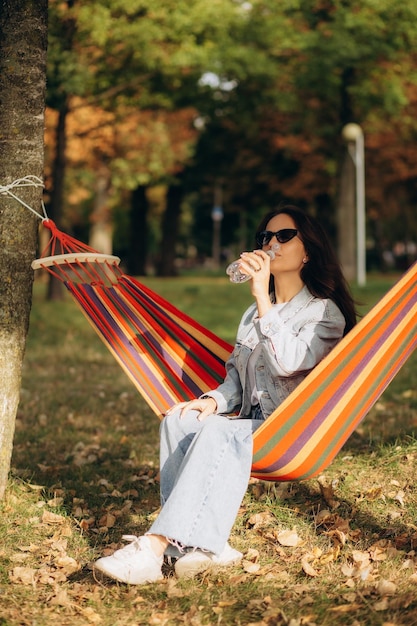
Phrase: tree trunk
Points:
(23, 42)
(170, 227)
(138, 247)
(346, 218)
(101, 231)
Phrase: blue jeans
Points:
(205, 469)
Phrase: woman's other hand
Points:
(206, 406)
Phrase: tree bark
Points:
(23, 43)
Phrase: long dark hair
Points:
(322, 274)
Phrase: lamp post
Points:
(353, 135)
(216, 216)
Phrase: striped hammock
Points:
(170, 358)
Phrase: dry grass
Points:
(339, 550)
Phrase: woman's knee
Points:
(174, 425)
(217, 426)
(170, 424)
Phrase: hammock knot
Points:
(49, 224)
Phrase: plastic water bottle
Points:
(233, 270)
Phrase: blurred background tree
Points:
(155, 105)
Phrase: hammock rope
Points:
(26, 181)
(170, 358)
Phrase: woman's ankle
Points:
(158, 543)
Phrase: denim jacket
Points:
(292, 339)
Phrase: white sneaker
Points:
(135, 564)
(197, 561)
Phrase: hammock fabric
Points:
(171, 358)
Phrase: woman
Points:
(302, 308)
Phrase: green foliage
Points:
(67, 73)
(368, 40)
(152, 49)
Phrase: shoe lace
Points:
(134, 544)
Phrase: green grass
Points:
(86, 450)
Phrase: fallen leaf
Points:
(19, 557)
(67, 564)
(386, 588)
(372, 494)
(250, 567)
(49, 576)
(361, 558)
(327, 492)
(337, 536)
(61, 598)
(347, 569)
(382, 605)
(316, 553)
(90, 615)
(66, 531)
(364, 574)
(307, 568)
(260, 519)
(55, 502)
(107, 521)
(252, 555)
(288, 538)
(35, 487)
(400, 497)
(22, 575)
(344, 608)
(52, 518)
(377, 554)
(330, 555)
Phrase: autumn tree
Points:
(129, 54)
(112, 153)
(23, 37)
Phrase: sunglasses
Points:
(284, 235)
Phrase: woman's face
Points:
(290, 256)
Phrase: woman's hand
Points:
(206, 406)
(258, 265)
